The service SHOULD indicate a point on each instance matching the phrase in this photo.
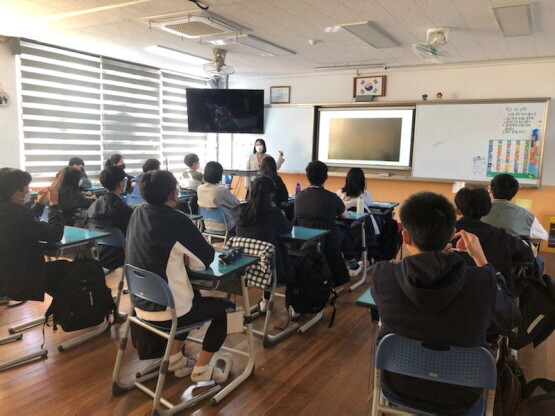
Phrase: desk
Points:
(194, 217)
(73, 237)
(186, 195)
(354, 219)
(382, 208)
(240, 172)
(302, 236)
(366, 300)
(216, 273)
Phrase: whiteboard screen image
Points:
(476, 141)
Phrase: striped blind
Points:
(60, 106)
(75, 104)
(176, 140)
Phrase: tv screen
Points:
(225, 111)
(366, 137)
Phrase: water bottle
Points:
(360, 205)
(297, 188)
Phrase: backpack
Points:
(313, 286)
(543, 404)
(82, 299)
(510, 383)
(388, 241)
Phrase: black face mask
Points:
(122, 166)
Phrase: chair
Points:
(463, 366)
(263, 275)
(151, 287)
(217, 215)
(115, 239)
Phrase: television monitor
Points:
(369, 137)
(225, 111)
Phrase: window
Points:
(75, 104)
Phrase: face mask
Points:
(122, 166)
(259, 149)
(80, 181)
(27, 198)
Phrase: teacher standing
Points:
(255, 159)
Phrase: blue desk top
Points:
(366, 300)
(74, 236)
(94, 188)
(186, 194)
(383, 205)
(218, 270)
(303, 234)
(194, 217)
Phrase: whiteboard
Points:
(287, 128)
(476, 141)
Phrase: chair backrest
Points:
(115, 239)
(148, 286)
(464, 366)
(213, 214)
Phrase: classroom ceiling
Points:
(114, 29)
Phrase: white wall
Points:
(9, 120)
(476, 82)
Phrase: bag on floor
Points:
(510, 381)
(543, 404)
(82, 299)
(312, 289)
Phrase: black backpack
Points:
(313, 286)
(82, 299)
(389, 240)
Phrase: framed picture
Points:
(4, 98)
(280, 95)
(369, 85)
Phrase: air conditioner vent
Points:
(193, 24)
(195, 29)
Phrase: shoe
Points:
(262, 306)
(219, 372)
(182, 367)
(294, 315)
(353, 271)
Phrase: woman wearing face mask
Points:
(77, 162)
(255, 159)
(119, 161)
(70, 196)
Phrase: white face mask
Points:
(27, 197)
(80, 181)
(259, 148)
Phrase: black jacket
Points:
(501, 249)
(109, 210)
(267, 229)
(154, 231)
(22, 267)
(70, 199)
(437, 298)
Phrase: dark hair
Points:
(213, 172)
(151, 164)
(260, 201)
(191, 159)
(12, 181)
(263, 144)
(355, 183)
(268, 166)
(429, 219)
(75, 161)
(317, 172)
(115, 158)
(504, 186)
(68, 176)
(473, 203)
(157, 186)
(111, 176)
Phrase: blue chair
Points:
(216, 215)
(151, 287)
(115, 239)
(463, 366)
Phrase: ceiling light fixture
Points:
(262, 45)
(87, 11)
(372, 34)
(514, 20)
(349, 66)
(175, 54)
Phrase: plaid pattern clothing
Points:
(258, 275)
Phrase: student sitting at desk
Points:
(77, 162)
(514, 219)
(212, 195)
(109, 210)
(118, 160)
(433, 296)
(258, 219)
(500, 248)
(268, 168)
(150, 164)
(164, 241)
(70, 196)
(191, 178)
(319, 204)
(25, 275)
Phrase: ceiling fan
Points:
(431, 51)
(218, 67)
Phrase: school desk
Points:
(73, 237)
(366, 300)
(302, 237)
(354, 219)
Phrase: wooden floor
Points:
(326, 371)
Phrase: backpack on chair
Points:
(82, 299)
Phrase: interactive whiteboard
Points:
(476, 141)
